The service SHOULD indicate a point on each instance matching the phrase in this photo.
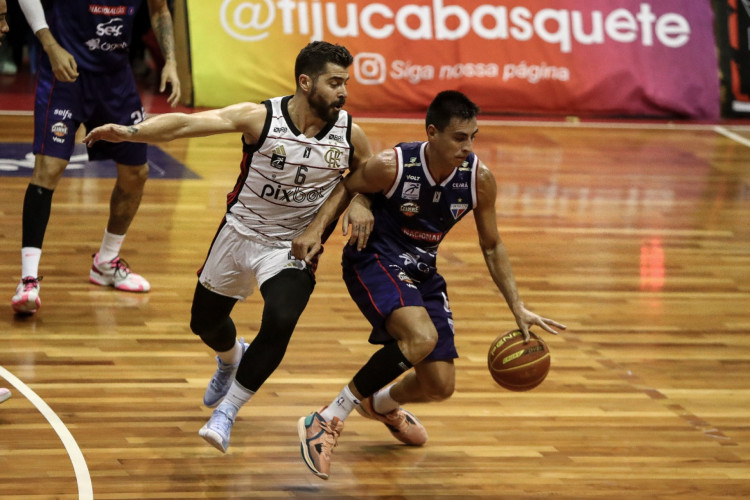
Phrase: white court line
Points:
(731, 135)
(85, 490)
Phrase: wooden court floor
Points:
(635, 236)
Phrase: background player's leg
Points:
(108, 269)
(37, 206)
(126, 197)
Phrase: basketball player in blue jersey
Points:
(421, 190)
(295, 152)
(85, 78)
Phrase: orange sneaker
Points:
(317, 440)
(403, 425)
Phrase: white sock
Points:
(341, 407)
(382, 402)
(111, 244)
(237, 395)
(30, 257)
(233, 355)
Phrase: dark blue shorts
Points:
(93, 99)
(379, 286)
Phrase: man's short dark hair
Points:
(447, 105)
(312, 59)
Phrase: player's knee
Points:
(200, 326)
(279, 319)
(440, 390)
(48, 171)
(419, 344)
(132, 177)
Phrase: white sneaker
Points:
(222, 380)
(26, 300)
(4, 394)
(218, 429)
(117, 274)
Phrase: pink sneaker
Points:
(26, 300)
(117, 274)
(403, 425)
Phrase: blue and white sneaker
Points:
(222, 380)
(218, 428)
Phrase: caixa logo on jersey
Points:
(295, 195)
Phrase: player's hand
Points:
(110, 133)
(306, 246)
(525, 319)
(362, 221)
(169, 75)
(63, 63)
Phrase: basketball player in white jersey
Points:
(295, 152)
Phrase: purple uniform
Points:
(397, 268)
(97, 33)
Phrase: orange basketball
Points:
(515, 365)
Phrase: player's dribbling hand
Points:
(525, 319)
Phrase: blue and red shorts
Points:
(380, 285)
(93, 99)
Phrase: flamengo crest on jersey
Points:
(286, 176)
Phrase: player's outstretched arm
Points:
(246, 118)
(496, 256)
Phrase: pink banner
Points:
(575, 57)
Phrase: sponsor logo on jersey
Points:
(280, 130)
(97, 44)
(108, 10)
(410, 191)
(296, 195)
(460, 185)
(59, 131)
(113, 27)
(413, 261)
(412, 162)
(278, 158)
(403, 277)
(458, 209)
(64, 114)
(464, 166)
(436, 197)
(333, 157)
(335, 137)
(410, 209)
(422, 235)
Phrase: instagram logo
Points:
(247, 21)
(369, 68)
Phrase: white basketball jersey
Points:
(286, 176)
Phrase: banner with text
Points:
(582, 57)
